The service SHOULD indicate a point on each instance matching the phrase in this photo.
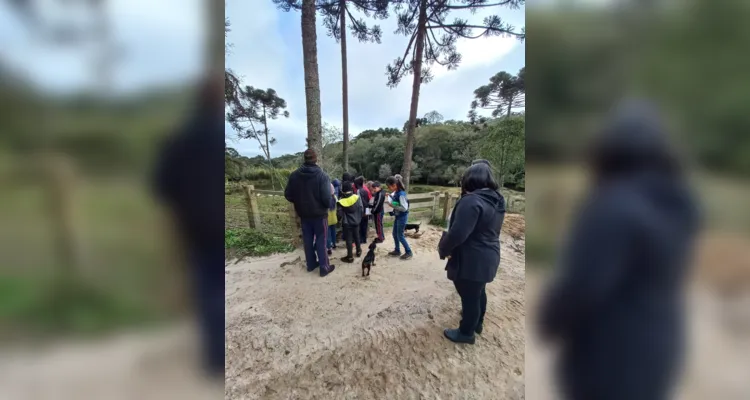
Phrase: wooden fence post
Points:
(435, 203)
(253, 217)
(447, 206)
(296, 224)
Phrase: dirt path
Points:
(291, 334)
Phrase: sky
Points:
(266, 53)
(155, 44)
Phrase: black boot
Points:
(478, 330)
(454, 335)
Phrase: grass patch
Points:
(247, 242)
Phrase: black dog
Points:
(369, 259)
(414, 227)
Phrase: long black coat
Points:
(615, 306)
(473, 238)
(310, 190)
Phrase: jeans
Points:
(331, 236)
(314, 232)
(473, 304)
(351, 236)
(398, 233)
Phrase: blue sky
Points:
(157, 44)
(267, 53)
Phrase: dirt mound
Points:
(291, 334)
(515, 225)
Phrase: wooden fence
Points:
(283, 219)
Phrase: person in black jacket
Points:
(188, 179)
(378, 211)
(615, 306)
(350, 212)
(472, 246)
(310, 191)
(364, 197)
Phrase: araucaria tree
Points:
(249, 116)
(335, 14)
(433, 40)
(312, 78)
(502, 95)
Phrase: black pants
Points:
(351, 236)
(473, 304)
(363, 228)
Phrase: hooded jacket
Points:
(616, 304)
(473, 240)
(308, 188)
(350, 209)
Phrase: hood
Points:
(635, 154)
(634, 140)
(336, 183)
(491, 197)
(309, 170)
(348, 200)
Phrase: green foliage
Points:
(504, 93)
(247, 242)
(505, 146)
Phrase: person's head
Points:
(359, 182)
(310, 157)
(376, 187)
(369, 185)
(336, 183)
(478, 176)
(394, 184)
(346, 187)
(635, 139)
(347, 177)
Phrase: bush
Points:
(244, 242)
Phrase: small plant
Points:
(438, 221)
(247, 242)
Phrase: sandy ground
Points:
(159, 364)
(292, 335)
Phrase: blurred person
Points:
(189, 180)
(472, 247)
(399, 201)
(336, 187)
(309, 190)
(615, 306)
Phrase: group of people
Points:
(351, 203)
(471, 244)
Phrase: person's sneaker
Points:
(359, 253)
(313, 268)
(406, 256)
(347, 259)
(478, 330)
(455, 336)
(395, 253)
(378, 241)
(324, 272)
(330, 252)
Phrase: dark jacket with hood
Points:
(615, 305)
(473, 240)
(350, 210)
(310, 191)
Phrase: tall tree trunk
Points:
(344, 83)
(312, 80)
(417, 72)
(510, 105)
(268, 148)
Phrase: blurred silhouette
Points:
(615, 306)
(189, 180)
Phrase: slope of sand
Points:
(291, 334)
